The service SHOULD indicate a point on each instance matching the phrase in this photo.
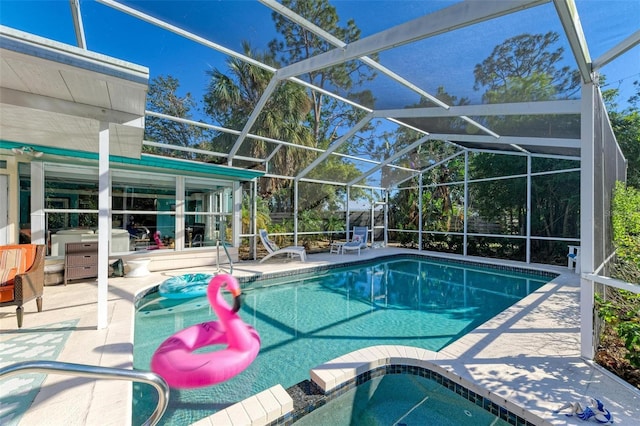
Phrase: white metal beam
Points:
(620, 48)
(517, 108)
(179, 31)
(104, 224)
(431, 167)
(390, 159)
(274, 5)
(587, 220)
(253, 117)
(510, 140)
(76, 15)
(219, 48)
(335, 145)
(451, 18)
(163, 145)
(573, 30)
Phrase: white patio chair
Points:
(274, 250)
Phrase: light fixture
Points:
(28, 151)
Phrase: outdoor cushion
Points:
(6, 289)
(22, 275)
(15, 259)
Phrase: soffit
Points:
(56, 95)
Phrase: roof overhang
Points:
(56, 95)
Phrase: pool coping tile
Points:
(270, 405)
(255, 410)
(238, 414)
(266, 407)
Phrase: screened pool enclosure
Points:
(474, 127)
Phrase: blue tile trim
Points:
(307, 396)
(316, 269)
(247, 281)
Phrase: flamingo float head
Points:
(228, 281)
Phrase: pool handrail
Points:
(224, 246)
(98, 372)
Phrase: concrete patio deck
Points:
(529, 354)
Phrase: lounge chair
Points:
(273, 249)
(358, 240)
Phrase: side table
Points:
(336, 247)
(138, 267)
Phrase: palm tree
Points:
(263, 218)
(232, 97)
(334, 224)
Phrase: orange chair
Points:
(21, 276)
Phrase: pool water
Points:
(401, 399)
(307, 320)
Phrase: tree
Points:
(626, 127)
(293, 113)
(232, 97)
(297, 43)
(163, 98)
(522, 57)
(525, 68)
(328, 117)
(262, 214)
(441, 204)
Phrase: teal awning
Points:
(185, 167)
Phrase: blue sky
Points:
(606, 22)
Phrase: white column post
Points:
(254, 217)
(587, 218)
(465, 225)
(386, 217)
(295, 212)
(237, 214)
(38, 225)
(348, 212)
(104, 225)
(528, 246)
(420, 222)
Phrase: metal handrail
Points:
(97, 372)
(224, 246)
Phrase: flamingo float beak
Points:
(237, 302)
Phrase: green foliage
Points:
(232, 97)
(263, 218)
(296, 43)
(334, 224)
(622, 312)
(625, 218)
(286, 226)
(526, 68)
(163, 97)
(521, 57)
(626, 127)
(621, 309)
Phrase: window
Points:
(208, 207)
(144, 205)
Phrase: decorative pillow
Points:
(357, 238)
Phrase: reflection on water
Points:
(306, 320)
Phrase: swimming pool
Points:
(401, 399)
(305, 320)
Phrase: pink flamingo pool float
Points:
(176, 361)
